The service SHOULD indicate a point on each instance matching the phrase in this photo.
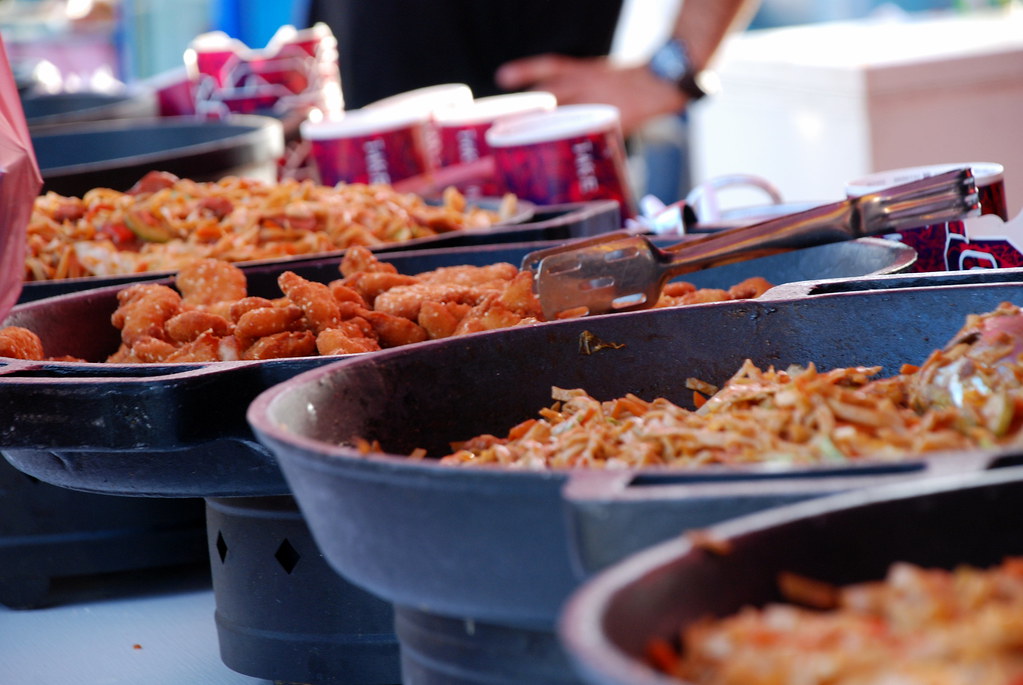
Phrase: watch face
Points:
(670, 62)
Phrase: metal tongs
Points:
(623, 271)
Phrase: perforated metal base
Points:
(282, 612)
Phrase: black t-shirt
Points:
(390, 46)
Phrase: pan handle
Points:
(805, 289)
(613, 514)
(56, 406)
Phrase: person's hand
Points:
(637, 93)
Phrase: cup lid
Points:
(489, 109)
(361, 122)
(428, 98)
(566, 121)
(983, 172)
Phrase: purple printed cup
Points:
(574, 153)
(296, 71)
(368, 146)
(428, 99)
(425, 101)
(989, 176)
(461, 130)
(945, 246)
(175, 92)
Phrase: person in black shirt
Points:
(494, 46)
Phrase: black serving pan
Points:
(504, 546)
(76, 157)
(179, 429)
(848, 538)
(531, 224)
(45, 109)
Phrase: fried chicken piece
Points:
(755, 286)
(247, 304)
(406, 300)
(281, 345)
(677, 288)
(20, 343)
(264, 321)
(471, 275)
(230, 348)
(143, 310)
(360, 259)
(150, 350)
(342, 293)
(490, 314)
(519, 297)
(204, 348)
(371, 284)
(358, 326)
(440, 319)
(394, 331)
(208, 281)
(187, 326)
(123, 355)
(315, 299)
(695, 297)
(347, 338)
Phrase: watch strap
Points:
(671, 62)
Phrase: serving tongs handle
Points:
(942, 197)
(623, 271)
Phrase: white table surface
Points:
(152, 627)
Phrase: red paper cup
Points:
(428, 99)
(574, 153)
(296, 71)
(461, 130)
(425, 101)
(990, 179)
(368, 146)
(945, 246)
(174, 92)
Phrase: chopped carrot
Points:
(631, 405)
(662, 655)
(521, 429)
(807, 591)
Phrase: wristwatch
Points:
(671, 62)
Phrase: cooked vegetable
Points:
(964, 397)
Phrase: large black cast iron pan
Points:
(848, 538)
(77, 157)
(180, 430)
(46, 109)
(506, 545)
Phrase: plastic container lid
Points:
(566, 121)
(489, 109)
(428, 98)
(361, 122)
(984, 172)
